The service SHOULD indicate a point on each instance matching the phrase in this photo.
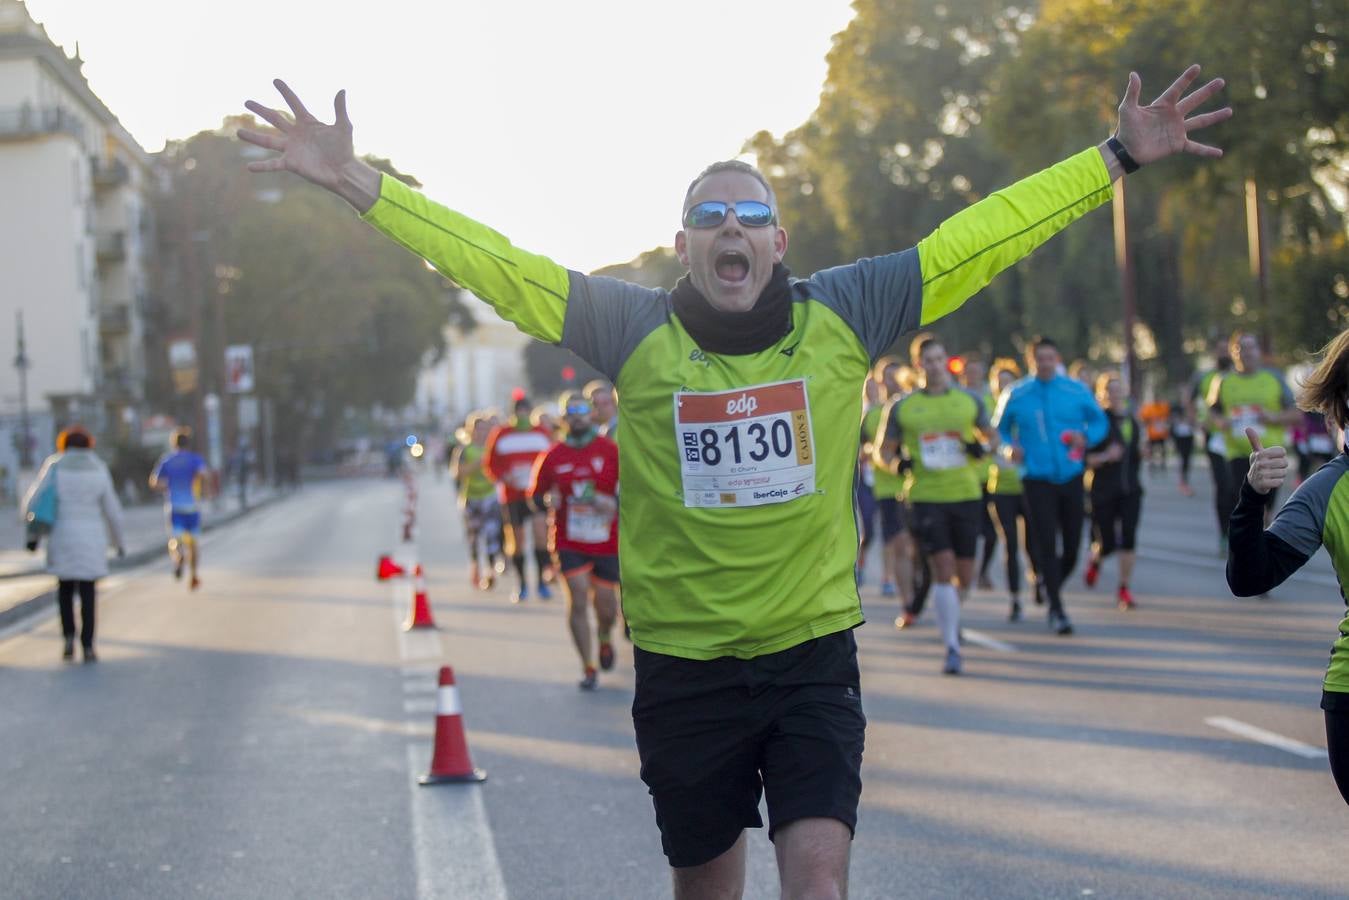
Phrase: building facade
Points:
(75, 240)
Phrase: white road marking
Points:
(451, 839)
(1269, 738)
(979, 639)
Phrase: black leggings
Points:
(988, 530)
(1054, 510)
(1184, 448)
(1011, 522)
(65, 599)
(1114, 522)
(1337, 745)
(1218, 468)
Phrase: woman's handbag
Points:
(42, 512)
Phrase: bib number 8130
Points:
(761, 441)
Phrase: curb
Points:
(25, 608)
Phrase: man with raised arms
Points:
(741, 404)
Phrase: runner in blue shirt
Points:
(181, 476)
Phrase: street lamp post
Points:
(21, 363)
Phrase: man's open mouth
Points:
(732, 266)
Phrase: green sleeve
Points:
(526, 289)
(968, 249)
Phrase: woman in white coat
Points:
(87, 515)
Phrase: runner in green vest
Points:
(738, 448)
(888, 488)
(1251, 396)
(1316, 515)
(477, 501)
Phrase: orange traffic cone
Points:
(387, 569)
(449, 758)
(420, 615)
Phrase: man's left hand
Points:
(1162, 128)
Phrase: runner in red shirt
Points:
(511, 452)
(578, 479)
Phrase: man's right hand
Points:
(1268, 465)
(315, 151)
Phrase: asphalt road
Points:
(260, 738)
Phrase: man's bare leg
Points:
(578, 620)
(722, 878)
(176, 554)
(813, 859)
(193, 554)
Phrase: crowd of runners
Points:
(741, 454)
(548, 477)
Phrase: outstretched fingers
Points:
(293, 101)
(1197, 98)
(273, 117)
(262, 139)
(1172, 94)
(1254, 437)
(1133, 90)
(1204, 120)
(275, 164)
(1206, 150)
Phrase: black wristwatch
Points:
(1128, 162)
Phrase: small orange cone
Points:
(387, 569)
(449, 759)
(420, 615)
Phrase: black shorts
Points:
(948, 526)
(894, 518)
(518, 512)
(714, 736)
(600, 567)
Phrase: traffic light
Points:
(956, 365)
(568, 374)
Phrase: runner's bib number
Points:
(1244, 417)
(587, 525)
(1217, 443)
(1320, 444)
(748, 447)
(944, 450)
(517, 476)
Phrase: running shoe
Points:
(606, 655)
(1059, 624)
(1093, 572)
(545, 593)
(69, 653)
(1186, 490)
(590, 681)
(905, 620)
(488, 581)
(475, 575)
(1126, 599)
(1039, 593)
(196, 583)
(952, 666)
(888, 589)
(89, 655)
(521, 595)
(1014, 615)
(178, 572)
(985, 583)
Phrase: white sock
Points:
(947, 603)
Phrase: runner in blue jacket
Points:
(1046, 422)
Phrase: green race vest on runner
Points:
(737, 532)
(887, 485)
(1241, 397)
(476, 486)
(933, 430)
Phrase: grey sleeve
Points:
(607, 318)
(880, 297)
(1286, 399)
(981, 420)
(1302, 520)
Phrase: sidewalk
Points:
(24, 584)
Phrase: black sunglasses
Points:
(711, 213)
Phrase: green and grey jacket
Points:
(737, 531)
(1258, 559)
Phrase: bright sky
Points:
(571, 127)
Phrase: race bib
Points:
(587, 525)
(518, 476)
(1217, 443)
(1321, 445)
(1244, 417)
(747, 447)
(944, 450)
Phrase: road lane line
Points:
(979, 639)
(1269, 738)
(419, 706)
(452, 841)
